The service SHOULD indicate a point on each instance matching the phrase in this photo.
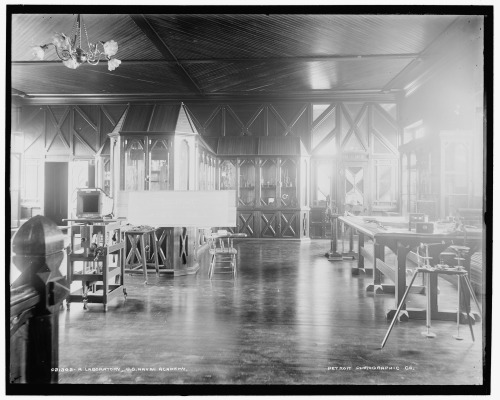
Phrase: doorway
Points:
(56, 192)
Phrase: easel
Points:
(463, 277)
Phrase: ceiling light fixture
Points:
(70, 51)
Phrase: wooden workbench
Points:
(393, 233)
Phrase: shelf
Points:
(95, 277)
(82, 267)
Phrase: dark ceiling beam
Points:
(152, 98)
(144, 25)
(16, 92)
(284, 60)
(404, 76)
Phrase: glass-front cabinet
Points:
(271, 188)
(146, 164)
(268, 178)
(437, 176)
(206, 170)
(135, 162)
(227, 174)
(159, 164)
(288, 183)
(103, 168)
(246, 192)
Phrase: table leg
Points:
(432, 294)
(334, 255)
(467, 295)
(144, 259)
(361, 244)
(400, 277)
(351, 240)
(155, 252)
(378, 254)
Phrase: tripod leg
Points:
(428, 315)
(473, 295)
(468, 313)
(459, 284)
(399, 309)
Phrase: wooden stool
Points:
(139, 235)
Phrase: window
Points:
(323, 175)
(32, 180)
(385, 183)
(414, 131)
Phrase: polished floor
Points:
(290, 317)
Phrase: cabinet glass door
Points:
(202, 172)
(288, 184)
(228, 175)
(135, 160)
(268, 174)
(246, 196)
(159, 165)
(104, 174)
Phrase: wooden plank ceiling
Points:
(206, 56)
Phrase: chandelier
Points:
(70, 50)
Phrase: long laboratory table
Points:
(393, 233)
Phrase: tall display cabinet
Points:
(270, 179)
(157, 148)
(437, 174)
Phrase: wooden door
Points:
(56, 192)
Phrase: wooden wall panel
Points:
(246, 113)
(69, 131)
(234, 126)
(275, 126)
(113, 113)
(214, 125)
(82, 130)
(301, 129)
(289, 111)
(85, 132)
(258, 122)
